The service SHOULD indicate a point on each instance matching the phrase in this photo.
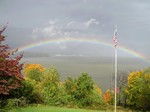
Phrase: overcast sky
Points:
(31, 21)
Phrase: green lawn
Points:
(42, 108)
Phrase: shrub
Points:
(27, 91)
(15, 102)
(108, 97)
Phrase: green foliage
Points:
(97, 101)
(70, 87)
(27, 91)
(50, 75)
(12, 103)
(35, 74)
(139, 90)
(50, 87)
(147, 71)
(82, 92)
(16, 102)
(63, 97)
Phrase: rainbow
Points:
(83, 40)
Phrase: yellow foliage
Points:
(29, 67)
(98, 89)
(138, 88)
(147, 76)
(133, 76)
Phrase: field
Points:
(42, 108)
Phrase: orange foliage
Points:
(108, 96)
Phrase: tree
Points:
(83, 92)
(147, 71)
(85, 87)
(122, 79)
(122, 85)
(10, 68)
(50, 86)
(33, 71)
(138, 90)
(80, 89)
(108, 97)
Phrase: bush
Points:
(3, 110)
(63, 97)
(27, 91)
(3, 102)
(16, 102)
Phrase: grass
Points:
(43, 108)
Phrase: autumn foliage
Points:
(29, 67)
(33, 71)
(138, 89)
(10, 68)
(108, 96)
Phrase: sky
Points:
(32, 21)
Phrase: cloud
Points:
(59, 29)
(49, 31)
(55, 29)
(71, 23)
(90, 22)
(53, 22)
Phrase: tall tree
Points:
(138, 90)
(81, 89)
(10, 68)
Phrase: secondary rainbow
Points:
(83, 40)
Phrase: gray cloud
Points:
(32, 21)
